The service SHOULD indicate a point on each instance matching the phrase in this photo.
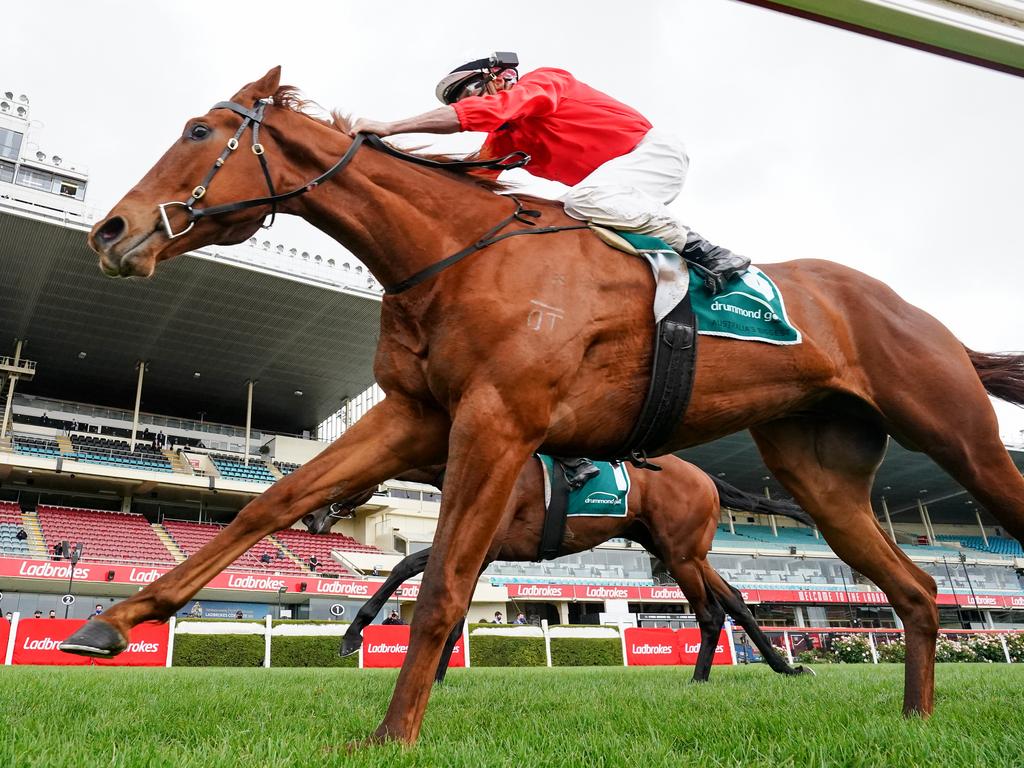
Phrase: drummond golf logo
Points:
(601, 497)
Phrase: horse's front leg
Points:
(395, 435)
(488, 447)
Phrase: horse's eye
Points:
(199, 131)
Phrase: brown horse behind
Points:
(672, 514)
(474, 382)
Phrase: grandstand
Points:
(145, 415)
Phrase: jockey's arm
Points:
(440, 120)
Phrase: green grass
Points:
(527, 718)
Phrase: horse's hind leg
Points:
(732, 601)
(947, 414)
(829, 464)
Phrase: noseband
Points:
(254, 118)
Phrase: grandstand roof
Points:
(901, 479)
(228, 321)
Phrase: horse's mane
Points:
(289, 97)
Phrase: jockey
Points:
(621, 171)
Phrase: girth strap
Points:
(553, 531)
(672, 368)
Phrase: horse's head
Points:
(155, 220)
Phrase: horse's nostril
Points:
(111, 230)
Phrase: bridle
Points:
(254, 118)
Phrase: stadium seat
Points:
(107, 536)
(191, 536)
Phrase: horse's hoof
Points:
(350, 645)
(96, 638)
(802, 670)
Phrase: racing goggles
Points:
(477, 85)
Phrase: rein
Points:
(254, 118)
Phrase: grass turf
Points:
(746, 716)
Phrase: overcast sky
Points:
(804, 141)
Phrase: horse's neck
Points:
(396, 217)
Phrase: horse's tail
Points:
(734, 498)
(1001, 373)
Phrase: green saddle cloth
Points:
(606, 495)
(750, 308)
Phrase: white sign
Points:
(68, 599)
(337, 609)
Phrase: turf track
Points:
(847, 716)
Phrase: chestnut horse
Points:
(672, 514)
(475, 382)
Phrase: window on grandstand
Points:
(10, 143)
(67, 188)
(33, 179)
(6, 171)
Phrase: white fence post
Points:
(9, 655)
(547, 640)
(269, 623)
(169, 662)
(871, 645)
(465, 643)
(789, 650)
(622, 637)
(732, 642)
(1006, 649)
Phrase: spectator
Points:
(46, 419)
(238, 614)
(161, 439)
(8, 616)
(521, 618)
(498, 618)
(394, 618)
(53, 614)
(98, 610)
(74, 425)
(376, 571)
(197, 610)
(21, 535)
(37, 615)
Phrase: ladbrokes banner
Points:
(358, 588)
(647, 647)
(386, 646)
(37, 642)
(689, 645)
(5, 633)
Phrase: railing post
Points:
(269, 621)
(547, 640)
(9, 655)
(871, 645)
(786, 645)
(1006, 649)
(171, 624)
(622, 639)
(732, 641)
(465, 644)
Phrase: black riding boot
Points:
(579, 471)
(720, 264)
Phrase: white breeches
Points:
(631, 192)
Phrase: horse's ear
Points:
(263, 88)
